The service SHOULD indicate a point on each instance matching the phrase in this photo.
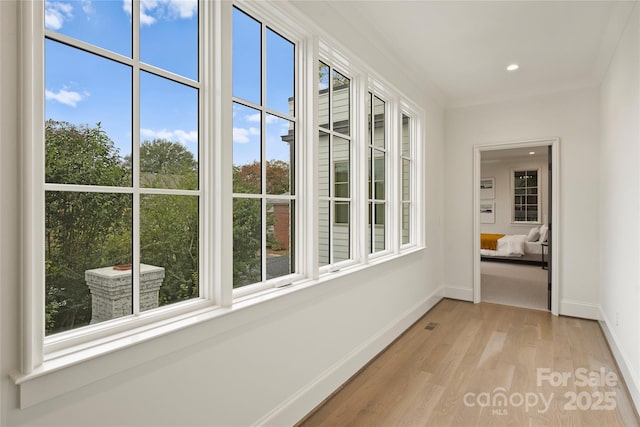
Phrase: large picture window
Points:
(122, 188)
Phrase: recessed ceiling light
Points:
(513, 67)
(532, 152)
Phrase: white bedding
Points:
(513, 245)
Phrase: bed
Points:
(525, 247)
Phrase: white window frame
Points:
(279, 23)
(38, 348)
(335, 63)
(379, 90)
(513, 195)
(416, 176)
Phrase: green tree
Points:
(169, 223)
(166, 164)
(78, 225)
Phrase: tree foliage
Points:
(78, 225)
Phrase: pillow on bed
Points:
(543, 233)
(534, 235)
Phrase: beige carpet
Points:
(514, 284)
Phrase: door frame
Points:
(555, 210)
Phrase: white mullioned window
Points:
(127, 152)
(123, 154)
(334, 166)
(406, 178)
(377, 148)
(264, 153)
(525, 185)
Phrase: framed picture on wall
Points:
(487, 188)
(487, 212)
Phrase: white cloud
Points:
(253, 118)
(64, 96)
(87, 6)
(254, 131)
(240, 136)
(184, 8)
(151, 11)
(55, 13)
(177, 135)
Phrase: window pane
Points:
(379, 174)
(369, 119)
(532, 214)
(405, 222)
(341, 232)
(86, 236)
(279, 238)
(378, 240)
(106, 24)
(279, 74)
(247, 171)
(341, 103)
(406, 179)
(370, 229)
(323, 95)
(168, 242)
(341, 212)
(247, 241)
(369, 170)
(379, 122)
(341, 157)
(247, 44)
(88, 111)
(169, 36)
(323, 232)
(280, 153)
(323, 164)
(168, 133)
(406, 146)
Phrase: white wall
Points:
(620, 204)
(503, 193)
(283, 357)
(574, 118)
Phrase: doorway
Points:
(515, 197)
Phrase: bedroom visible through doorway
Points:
(514, 195)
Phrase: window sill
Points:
(69, 370)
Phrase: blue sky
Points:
(83, 88)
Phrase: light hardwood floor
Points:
(456, 373)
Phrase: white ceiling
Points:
(462, 48)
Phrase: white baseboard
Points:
(306, 399)
(626, 369)
(579, 309)
(464, 294)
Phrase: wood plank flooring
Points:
(479, 367)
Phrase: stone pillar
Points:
(111, 290)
